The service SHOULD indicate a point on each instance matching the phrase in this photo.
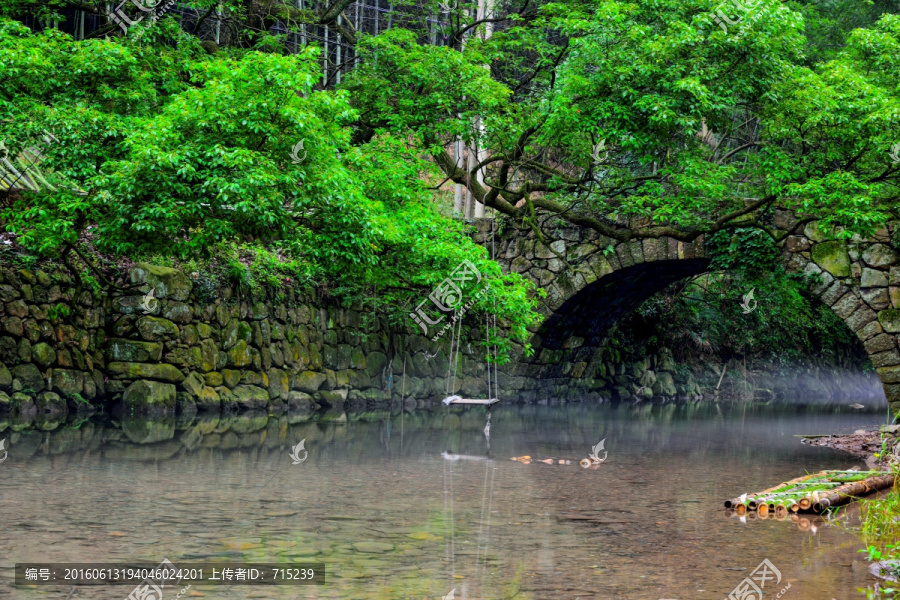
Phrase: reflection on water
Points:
(412, 505)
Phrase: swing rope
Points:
(453, 360)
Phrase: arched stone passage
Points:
(586, 317)
(859, 279)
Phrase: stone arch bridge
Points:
(858, 278)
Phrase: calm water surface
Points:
(390, 516)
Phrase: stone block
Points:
(30, 378)
(885, 359)
(880, 343)
(872, 329)
(375, 363)
(889, 375)
(240, 355)
(5, 378)
(860, 318)
(890, 320)
(624, 255)
(178, 312)
(67, 382)
(279, 384)
(250, 397)
(847, 305)
(300, 402)
(879, 255)
(193, 383)
(877, 298)
(894, 295)
(872, 278)
(155, 329)
(308, 381)
(231, 378)
(797, 243)
(834, 293)
(149, 398)
(166, 282)
(832, 257)
(132, 370)
(133, 351)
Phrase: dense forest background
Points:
(342, 145)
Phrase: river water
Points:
(412, 505)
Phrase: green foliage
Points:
(749, 252)
(56, 311)
(829, 22)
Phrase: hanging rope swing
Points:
(493, 391)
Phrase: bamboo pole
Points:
(735, 501)
(846, 492)
(722, 376)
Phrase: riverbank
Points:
(875, 445)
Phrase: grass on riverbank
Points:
(881, 530)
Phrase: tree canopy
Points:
(636, 119)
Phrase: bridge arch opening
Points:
(598, 343)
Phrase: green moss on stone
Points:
(131, 370)
(833, 257)
(890, 320)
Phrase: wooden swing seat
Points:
(457, 400)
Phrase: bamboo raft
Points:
(816, 492)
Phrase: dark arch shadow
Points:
(590, 313)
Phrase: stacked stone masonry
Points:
(64, 346)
